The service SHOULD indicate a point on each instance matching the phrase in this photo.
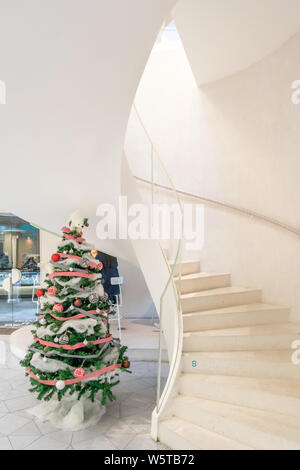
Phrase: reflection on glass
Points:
(19, 269)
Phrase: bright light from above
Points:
(168, 38)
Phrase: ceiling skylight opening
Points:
(168, 38)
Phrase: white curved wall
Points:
(71, 70)
(224, 37)
(237, 141)
(155, 271)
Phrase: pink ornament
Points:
(58, 308)
(79, 372)
(52, 290)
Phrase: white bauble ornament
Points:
(97, 310)
(93, 298)
(45, 359)
(43, 321)
(71, 269)
(85, 342)
(55, 339)
(64, 339)
(85, 262)
(60, 385)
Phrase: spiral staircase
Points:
(232, 383)
(238, 388)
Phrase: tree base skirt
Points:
(69, 414)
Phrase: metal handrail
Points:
(227, 205)
(176, 262)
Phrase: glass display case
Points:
(19, 270)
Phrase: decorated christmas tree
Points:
(73, 352)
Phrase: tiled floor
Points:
(126, 424)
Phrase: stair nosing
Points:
(217, 291)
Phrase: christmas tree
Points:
(73, 352)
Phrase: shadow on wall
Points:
(136, 296)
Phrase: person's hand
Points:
(94, 253)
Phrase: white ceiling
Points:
(222, 37)
(71, 70)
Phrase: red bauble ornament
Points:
(87, 224)
(40, 293)
(107, 335)
(55, 257)
(52, 290)
(79, 372)
(77, 303)
(126, 364)
(58, 308)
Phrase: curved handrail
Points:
(227, 205)
(177, 261)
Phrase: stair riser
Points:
(209, 441)
(190, 267)
(233, 320)
(173, 440)
(204, 283)
(247, 368)
(239, 396)
(237, 343)
(209, 302)
(231, 428)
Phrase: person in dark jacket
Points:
(109, 270)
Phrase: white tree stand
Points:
(69, 414)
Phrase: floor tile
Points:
(62, 436)
(3, 407)
(10, 423)
(5, 444)
(20, 442)
(4, 385)
(46, 443)
(44, 427)
(97, 443)
(106, 423)
(29, 429)
(139, 424)
(120, 435)
(21, 403)
(143, 442)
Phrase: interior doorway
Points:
(19, 270)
